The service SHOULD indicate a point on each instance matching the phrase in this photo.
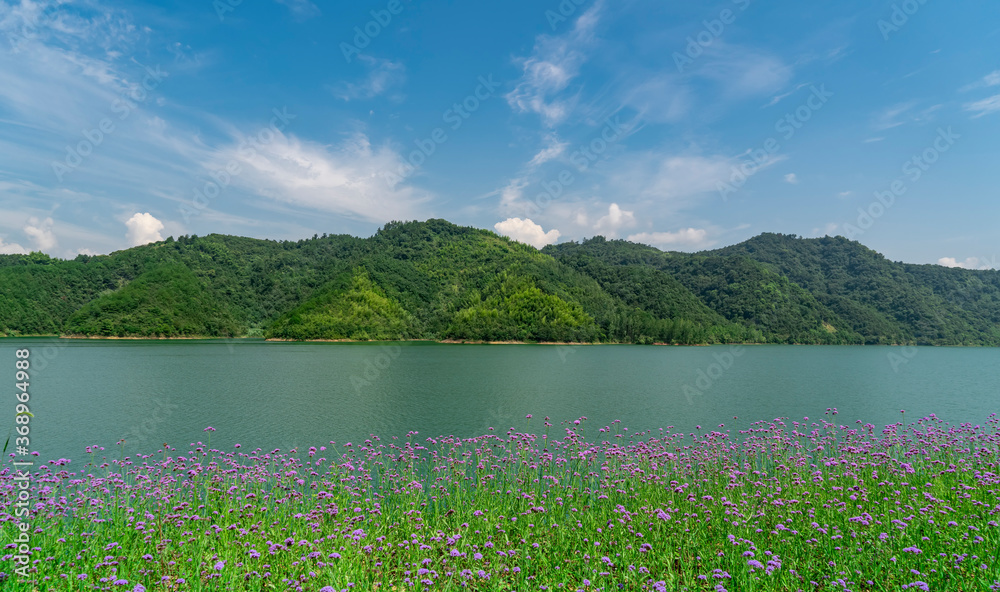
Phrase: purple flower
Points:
(220, 565)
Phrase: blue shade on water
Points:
(287, 395)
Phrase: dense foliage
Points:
(351, 308)
(435, 280)
(167, 301)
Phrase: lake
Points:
(295, 395)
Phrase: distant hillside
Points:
(435, 280)
(882, 300)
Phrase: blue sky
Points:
(685, 126)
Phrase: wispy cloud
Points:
(778, 98)
(656, 97)
(890, 118)
(984, 107)
(668, 178)
(553, 149)
(383, 76)
(554, 63)
(348, 178)
(991, 79)
(301, 9)
(744, 71)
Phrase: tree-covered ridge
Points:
(886, 301)
(351, 307)
(436, 280)
(166, 301)
(737, 291)
(518, 310)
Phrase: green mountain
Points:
(166, 301)
(882, 300)
(435, 280)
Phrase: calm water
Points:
(284, 395)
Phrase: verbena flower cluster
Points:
(780, 505)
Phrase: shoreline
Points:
(454, 341)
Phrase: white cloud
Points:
(744, 71)
(969, 263)
(40, 231)
(778, 98)
(143, 229)
(694, 238)
(382, 77)
(991, 79)
(511, 196)
(554, 149)
(301, 9)
(11, 249)
(615, 220)
(889, 118)
(659, 176)
(984, 107)
(791, 178)
(658, 97)
(526, 231)
(555, 62)
(352, 178)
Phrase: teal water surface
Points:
(295, 395)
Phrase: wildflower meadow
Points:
(776, 505)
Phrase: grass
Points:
(777, 506)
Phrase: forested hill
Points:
(435, 280)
